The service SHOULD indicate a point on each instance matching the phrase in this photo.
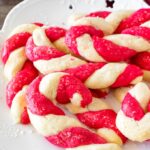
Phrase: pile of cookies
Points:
(52, 70)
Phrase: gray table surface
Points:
(5, 6)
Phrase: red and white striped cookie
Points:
(141, 59)
(48, 59)
(14, 49)
(101, 20)
(98, 115)
(51, 122)
(104, 75)
(111, 22)
(113, 48)
(137, 18)
(50, 36)
(15, 92)
(133, 120)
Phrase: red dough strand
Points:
(34, 52)
(101, 14)
(14, 42)
(128, 76)
(101, 119)
(112, 52)
(24, 77)
(132, 108)
(76, 32)
(68, 86)
(136, 19)
(75, 136)
(55, 33)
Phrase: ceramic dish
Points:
(15, 137)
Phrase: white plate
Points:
(15, 137)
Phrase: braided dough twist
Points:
(18, 70)
(46, 58)
(15, 92)
(104, 75)
(141, 59)
(13, 51)
(98, 115)
(48, 119)
(133, 118)
(95, 76)
(110, 22)
(118, 47)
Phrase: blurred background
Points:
(5, 6)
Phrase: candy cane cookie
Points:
(101, 20)
(15, 92)
(13, 51)
(104, 75)
(48, 59)
(95, 76)
(99, 116)
(51, 122)
(141, 59)
(112, 48)
(133, 118)
(116, 21)
(50, 36)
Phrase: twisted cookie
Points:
(15, 92)
(13, 51)
(104, 75)
(50, 121)
(133, 118)
(98, 115)
(111, 22)
(50, 36)
(141, 59)
(95, 76)
(48, 59)
(112, 48)
(101, 20)
(18, 70)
